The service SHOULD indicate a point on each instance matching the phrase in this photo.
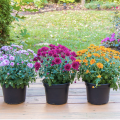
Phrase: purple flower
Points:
(50, 53)
(112, 39)
(75, 65)
(67, 53)
(8, 73)
(118, 40)
(113, 35)
(2, 64)
(27, 53)
(57, 60)
(73, 54)
(53, 63)
(12, 64)
(17, 63)
(5, 56)
(1, 58)
(67, 67)
(63, 56)
(22, 62)
(47, 73)
(30, 65)
(12, 58)
(37, 66)
(6, 62)
(72, 58)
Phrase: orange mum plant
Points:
(99, 65)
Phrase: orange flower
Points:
(113, 62)
(96, 54)
(86, 64)
(93, 87)
(78, 60)
(85, 61)
(99, 76)
(99, 65)
(92, 61)
(116, 57)
(89, 55)
(103, 54)
(87, 71)
(106, 59)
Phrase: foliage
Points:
(74, 29)
(16, 68)
(5, 21)
(40, 3)
(108, 5)
(67, 1)
(57, 64)
(99, 65)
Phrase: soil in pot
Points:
(14, 95)
(56, 94)
(97, 95)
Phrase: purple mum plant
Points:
(57, 64)
(111, 41)
(16, 66)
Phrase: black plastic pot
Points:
(97, 95)
(14, 95)
(56, 94)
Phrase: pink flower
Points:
(12, 58)
(22, 62)
(67, 67)
(6, 62)
(118, 40)
(30, 65)
(17, 63)
(37, 66)
(57, 61)
(116, 7)
(12, 64)
(1, 58)
(47, 73)
(75, 65)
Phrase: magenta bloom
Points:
(112, 39)
(67, 67)
(67, 53)
(57, 61)
(53, 63)
(118, 40)
(75, 65)
(37, 66)
(72, 58)
(50, 53)
(17, 63)
(113, 35)
(63, 56)
(73, 54)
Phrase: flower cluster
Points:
(16, 65)
(56, 63)
(99, 65)
(111, 41)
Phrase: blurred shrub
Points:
(5, 21)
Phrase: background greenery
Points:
(74, 29)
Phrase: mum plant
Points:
(16, 67)
(57, 64)
(99, 65)
(112, 41)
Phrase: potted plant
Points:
(112, 41)
(57, 64)
(16, 71)
(100, 69)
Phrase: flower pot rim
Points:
(95, 84)
(54, 84)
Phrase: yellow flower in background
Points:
(87, 71)
(92, 61)
(99, 76)
(99, 65)
(85, 61)
(92, 45)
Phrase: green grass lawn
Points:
(74, 29)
